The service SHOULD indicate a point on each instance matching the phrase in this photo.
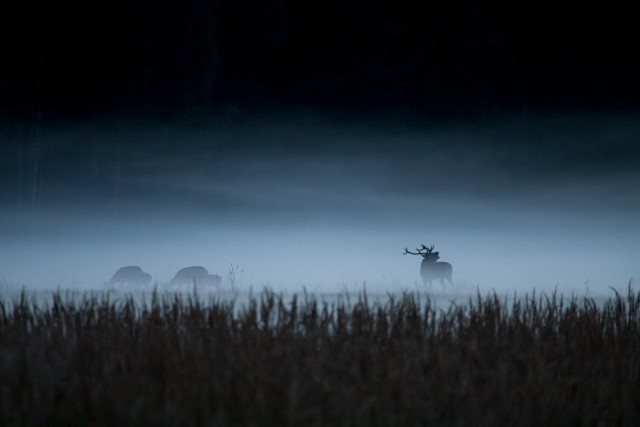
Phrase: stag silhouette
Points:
(431, 269)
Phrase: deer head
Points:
(425, 252)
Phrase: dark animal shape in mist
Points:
(131, 277)
(198, 276)
(430, 269)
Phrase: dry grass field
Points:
(538, 360)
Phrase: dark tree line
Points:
(73, 57)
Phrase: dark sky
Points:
(76, 59)
(309, 142)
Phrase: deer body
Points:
(196, 275)
(130, 277)
(431, 269)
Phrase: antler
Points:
(428, 249)
(420, 250)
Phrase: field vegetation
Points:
(175, 360)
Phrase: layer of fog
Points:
(550, 203)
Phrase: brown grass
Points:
(175, 361)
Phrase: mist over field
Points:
(512, 204)
(249, 137)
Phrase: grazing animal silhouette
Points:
(131, 277)
(430, 269)
(196, 275)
